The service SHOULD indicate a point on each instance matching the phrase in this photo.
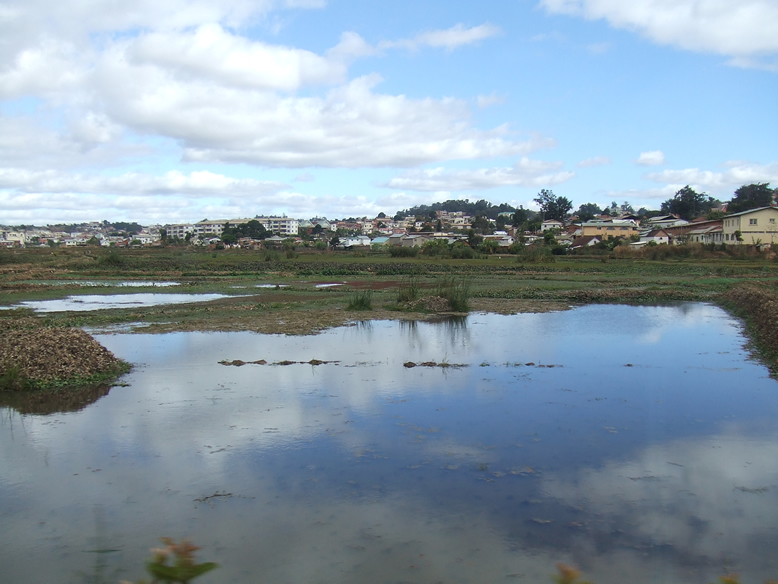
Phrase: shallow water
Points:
(647, 453)
(80, 303)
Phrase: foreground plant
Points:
(182, 569)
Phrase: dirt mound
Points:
(430, 304)
(53, 356)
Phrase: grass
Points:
(360, 300)
(408, 290)
(456, 290)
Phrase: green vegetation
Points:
(456, 291)
(360, 300)
(532, 278)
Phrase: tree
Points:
(751, 196)
(552, 206)
(688, 204)
(520, 217)
(587, 211)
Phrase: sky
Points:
(170, 111)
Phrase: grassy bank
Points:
(757, 305)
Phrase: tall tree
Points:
(689, 204)
(751, 196)
(520, 217)
(587, 211)
(552, 206)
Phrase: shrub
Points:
(404, 252)
(535, 255)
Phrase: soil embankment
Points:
(757, 304)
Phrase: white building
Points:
(179, 230)
(282, 225)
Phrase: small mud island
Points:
(35, 357)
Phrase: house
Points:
(551, 224)
(655, 235)
(609, 228)
(355, 241)
(709, 234)
(414, 240)
(586, 241)
(753, 227)
(664, 221)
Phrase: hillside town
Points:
(754, 222)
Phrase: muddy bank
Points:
(757, 304)
(42, 358)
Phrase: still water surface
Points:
(647, 453)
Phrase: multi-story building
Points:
(754, 227)
(609, 228)
(180, 230)
(281, 225)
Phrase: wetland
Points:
(298, 441)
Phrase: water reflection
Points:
(52, 402)
(103, 301)
(653, 460)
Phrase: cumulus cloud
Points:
(737, 173)
(351, 126)
(525, 173)
(212, 53)
(652, 158)
(197, 183)
(596, 161)
(737, 29)
(449, 39)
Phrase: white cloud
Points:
(737, 173)
(652, 158)
(525, 173)
(596, 161)
(743, 28)
(23, 143)
(197, 183)
(211, 53)
(489, 100)
(449, 39)
(351, 126)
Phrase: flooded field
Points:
(87, 302)
(637, 443)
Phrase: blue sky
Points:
(178, 110)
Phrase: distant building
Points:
(755, 227)
(285, 226)
(609, 228)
